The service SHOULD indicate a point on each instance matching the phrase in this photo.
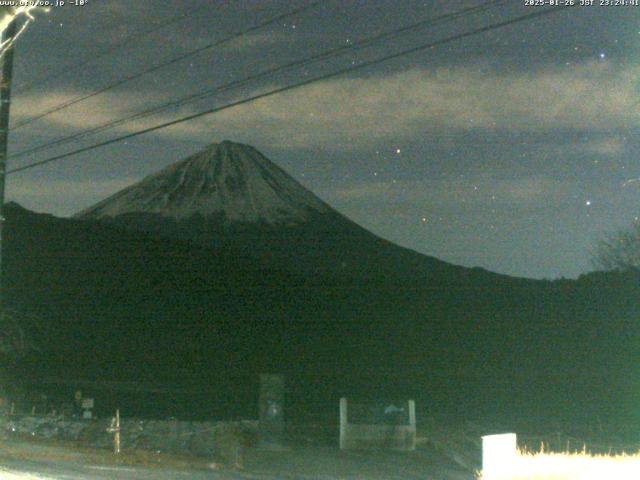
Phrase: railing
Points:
(391, 427)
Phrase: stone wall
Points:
(208, 439)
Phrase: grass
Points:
(569, 466)
(64, 451)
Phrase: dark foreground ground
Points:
(24, 460)
(444, 452)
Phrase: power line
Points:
(265, 73)
(127, 40)
(303, 83)
(199, 50)
(159, 66)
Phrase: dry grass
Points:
(569, 466)
(62, 451)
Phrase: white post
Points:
(412, 423)
(412, 413)
(116, 438)
(344, 419)
(115, 429)
(499, 455)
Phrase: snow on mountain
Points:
(229, 179)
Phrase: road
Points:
(20, 460)
(31, 470)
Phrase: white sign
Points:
(499, 453)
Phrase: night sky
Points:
(514, 150)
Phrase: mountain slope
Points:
(232, 198)
(130, 306)
(124, 305)
(161, 283)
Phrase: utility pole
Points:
(5, 103)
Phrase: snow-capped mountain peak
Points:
(229, 179)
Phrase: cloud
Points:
(481, 193)
(86, 114)
(534, 190)
(605, 147)
(599, 146)
(348, 112)
(254, 41)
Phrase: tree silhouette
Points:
(620, 251)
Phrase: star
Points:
(398, 151)
(588, 203)
(602, 55)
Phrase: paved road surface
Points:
(26, 461)
(28, 470)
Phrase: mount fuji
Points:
(231, 197)
(232, 182)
